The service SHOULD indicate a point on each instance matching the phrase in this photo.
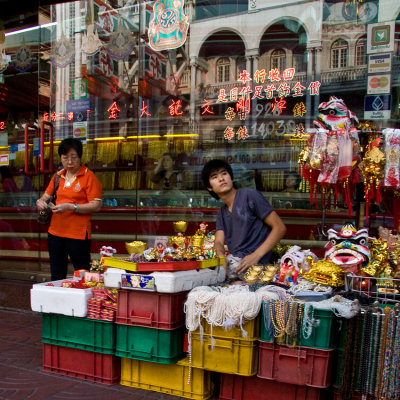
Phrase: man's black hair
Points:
(70, 143)
(209, 168)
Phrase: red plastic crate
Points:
(82, 364)
(151, 309)
(168, 266)
(295, 365)
(234, 387)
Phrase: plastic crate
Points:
(323, 335)
(226, 355)
(170, 379)
(295, 365)
(80, 333)
(151, 309)
(251, 329)
(251, 388)
(148, 344)
(82, 364)
(51, 297)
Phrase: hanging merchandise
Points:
(62, 52)
(23, 59)
(169, 25)
(330, 153)
(121, 43)
(372, 166)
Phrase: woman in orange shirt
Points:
(78, 197)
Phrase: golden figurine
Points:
(325, 272)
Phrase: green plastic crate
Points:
(322, 336)
(150, 344)
(80, 333)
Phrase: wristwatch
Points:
(76, 207)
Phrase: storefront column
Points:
(310, 63)
(193, 72)
(252, 56)
(317, 75)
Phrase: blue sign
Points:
(377, 107)
(80, 109)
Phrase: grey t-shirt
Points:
(245, 228)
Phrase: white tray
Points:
(60, 300)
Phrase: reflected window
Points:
(339, 52)
(299, 59)
(361, 53)
(278, 59)
(223, 69)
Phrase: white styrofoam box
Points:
(179, 281)
(60, 300)
(112, 277)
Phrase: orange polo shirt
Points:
(84, 188)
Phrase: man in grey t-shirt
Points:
(246, 222)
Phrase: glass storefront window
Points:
(140, 82)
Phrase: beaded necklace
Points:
(395, 378)
(269, 327)
(365, 352)
(375, 355)
(388, 357)
(382, 351)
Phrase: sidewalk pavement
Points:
(22, 377)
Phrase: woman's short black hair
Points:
(209, 168)
(70, 143)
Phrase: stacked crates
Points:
(80, 347)
(287, 371)
(149, 339)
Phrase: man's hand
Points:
(247, 262)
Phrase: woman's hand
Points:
(41, 204)
(60, 208)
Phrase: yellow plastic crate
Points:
(251, 327)
(167, 378)
(225, 355)
(119, 263)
